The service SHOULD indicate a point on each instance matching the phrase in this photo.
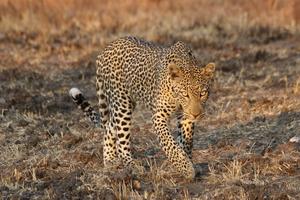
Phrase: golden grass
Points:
(103, 15)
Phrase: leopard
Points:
(167, 80)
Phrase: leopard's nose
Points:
(196, 115)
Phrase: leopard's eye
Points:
(185, 94)
(203, 93)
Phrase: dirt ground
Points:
(241, 148)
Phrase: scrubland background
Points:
(241, 148)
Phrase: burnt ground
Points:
(241, 148)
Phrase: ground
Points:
(241, 148)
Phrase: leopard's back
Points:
(131, 63)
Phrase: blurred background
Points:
(49, 151)
(95, 22)
(145, 15)
(77, 24)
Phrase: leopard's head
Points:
(190, 84)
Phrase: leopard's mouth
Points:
(198, 117)
(194, 117)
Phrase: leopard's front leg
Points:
(185, 128)
(175, 154)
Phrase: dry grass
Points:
(103, 15)
(47, 151)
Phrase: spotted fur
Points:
(166, 80)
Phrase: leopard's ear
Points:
(179, 45)
(175, 72)
(209, 69)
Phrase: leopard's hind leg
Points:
(107, 118)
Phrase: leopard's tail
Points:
(84, 105)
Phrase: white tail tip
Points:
(74, 91)
(295, 139)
